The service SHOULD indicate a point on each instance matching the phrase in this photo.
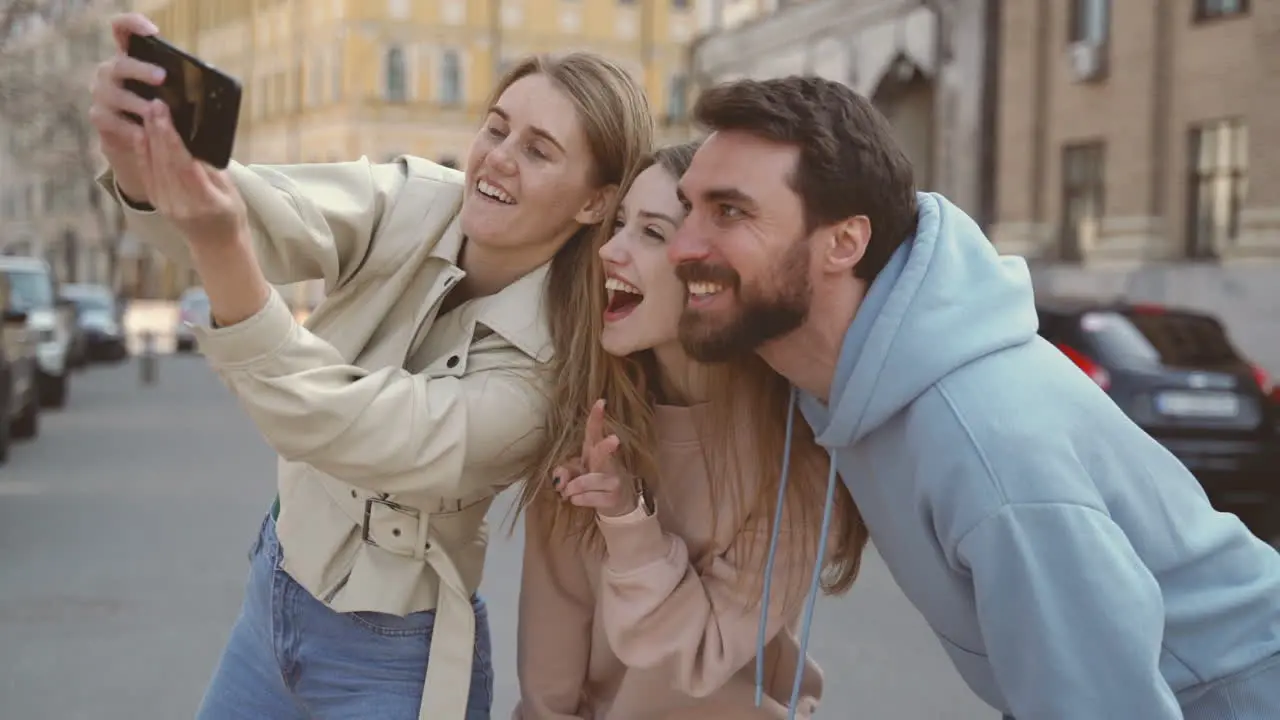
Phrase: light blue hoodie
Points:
(1071, 567)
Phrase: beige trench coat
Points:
(384, 475)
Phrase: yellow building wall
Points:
(315, 77)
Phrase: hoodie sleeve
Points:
(553, 639)
(660, 610)
(1072, 620)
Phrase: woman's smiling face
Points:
(645, 296)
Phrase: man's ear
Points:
(593, 212)
(847, 243)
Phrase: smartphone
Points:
(203, 101)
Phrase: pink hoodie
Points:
(661, 626)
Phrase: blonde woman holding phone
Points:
(415, 392)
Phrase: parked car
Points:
(1177, 374)
(100, 318)
(19, 400)
(49, 317)
(78, 344)
(193, 308)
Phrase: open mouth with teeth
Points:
(623, 297)
(702, 292)
(494, 193)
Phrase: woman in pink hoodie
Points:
(647, 553)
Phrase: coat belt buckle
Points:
(389, 504)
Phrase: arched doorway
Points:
(906, 97)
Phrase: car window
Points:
(1171, 339)
(30, 289)
(95, 305)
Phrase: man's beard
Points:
(765, 311)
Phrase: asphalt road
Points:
(123, 535)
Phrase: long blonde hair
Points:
(617, 121)
(746, 388)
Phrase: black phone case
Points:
(203, 101)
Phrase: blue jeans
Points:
(290, 656)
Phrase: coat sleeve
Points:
(309, 222)
(702, 622)
(557, 608)
(377, 429)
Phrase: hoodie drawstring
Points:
(814, 584)
(766, 591)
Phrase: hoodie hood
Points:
(945, 299)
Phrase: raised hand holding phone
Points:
(122, 141)
(601, 485)
(199, 200)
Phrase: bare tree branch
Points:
(48, 49)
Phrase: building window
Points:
(1090, 21)
(335, 65)
(1214, 9)
(450, 78)
(1083, 186)
(396, 89)
(677, 92)
(1219, 178)
(315, 82)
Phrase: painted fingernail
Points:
(555, 482)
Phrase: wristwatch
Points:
(644, 498)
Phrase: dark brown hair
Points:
(850, 164)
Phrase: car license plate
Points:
(1200, 404)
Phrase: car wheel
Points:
(28, 424)
(53, 390)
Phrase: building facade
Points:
(339, 79)
(1137, 156)
(924, 64)
(329, 80)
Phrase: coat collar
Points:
(518, 313)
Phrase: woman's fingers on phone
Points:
(126, 68)
(122, 26)
(117, 132)
(118, 100)
(179, 167)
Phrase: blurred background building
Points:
(926, 65)
(49, 203)
(1138, 153)
(1125, 148)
